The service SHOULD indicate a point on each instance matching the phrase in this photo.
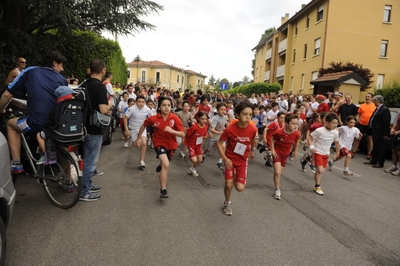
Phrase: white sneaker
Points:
(142, 165)
(149, 142)
(277, 195)
(330, 163)
(319, 191)
(347, 172)
(126, 145)
(391, 169)
(181, 154)
(193, 172)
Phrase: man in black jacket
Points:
(379, 127)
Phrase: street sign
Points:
(223, 85)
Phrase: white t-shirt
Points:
(137, 116)
(283, 106)
(323, 138)
(132, 95)
(253, 100)
(271, 115)
(310, 111)
(347, 136)
(122, 105)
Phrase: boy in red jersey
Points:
(195, 135)
(282, 143)
(166, 127)
(240, 139)
(267, 135)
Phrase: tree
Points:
(211, 80)
(137, 59)
(39, 16)
(334, 67)
(267, 32)
(253, 63)
(246, 79)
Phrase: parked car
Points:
(394, 113)
(7, 195)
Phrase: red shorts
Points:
(343, 152)
(195, 151)
(320, 160)
(240, 170)
(280, 158)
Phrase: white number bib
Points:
(199, 140)
(240, 148)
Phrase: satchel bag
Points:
(99, 120)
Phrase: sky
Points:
(212, 37)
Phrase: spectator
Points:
(379, 126)
(395, 137)
(97, 93)
(21, 64)
(107, 83)
(346, 109)
(40, 100)
(322, 105)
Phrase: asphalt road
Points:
(357, 222)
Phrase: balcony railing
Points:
(269, 55)
(266, 75)
(282, 46)
(280, 71)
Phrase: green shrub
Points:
(257, 88)
(391, 93)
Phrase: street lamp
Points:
(182, 77)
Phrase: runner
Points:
(218, 124)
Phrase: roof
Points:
(301, 12)
(159, 64)
(338, 78)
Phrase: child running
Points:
(121, 106)
(136, 116)
(282, 142)
(270, 130)
(150, 104)
(346, 137)
(321, 140)
(130, 103)
(240, 139)
(166, 127)
(186, 118)
(218, 124)
(195, 135)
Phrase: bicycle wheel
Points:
(61, 181)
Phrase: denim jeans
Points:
(91, 151)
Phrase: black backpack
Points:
(66, 121)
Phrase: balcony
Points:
(282, 46)
(280, 72)
(266, 75)
(269, 55)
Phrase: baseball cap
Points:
(320, 96)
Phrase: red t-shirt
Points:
(272, 128)
(284, 142)
(191, 100)
(160, 137)
(193, 133)
(323, 107)
(239, 138)
(314, 126)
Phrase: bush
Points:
(257, 88)
(391, 93)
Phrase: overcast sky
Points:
(214, 37)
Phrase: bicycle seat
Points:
(18, 105)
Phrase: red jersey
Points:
(162, 138)
(195, 134)
(238, 142)
(314, 126)
(283, 142)
(272, 128)
(191, 100)
(323, 107)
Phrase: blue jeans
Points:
(91, 151)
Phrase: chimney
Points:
(303, 6)
(285, 18)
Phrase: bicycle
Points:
(60, 173)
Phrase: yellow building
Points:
(159, 74)
(358, 31)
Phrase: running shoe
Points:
(94, 189)
(369, 157)
(312, 168)
(303, 164)
(158, 168)
(163, 194)
(89, 197)
(268, 163)
(277, 195)
(181, 154)
(347, 172)
(319, 191)
(126, 145)
(17, 169)
(397, 172)
(220, 166)
(353, 155)
(391, 169)
(330, 163)
(98, 172)
(193, 172)
(142, 165)
(227, 209)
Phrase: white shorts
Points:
(134, 134)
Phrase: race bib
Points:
(240, 148)
(199, 140)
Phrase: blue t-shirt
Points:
(38, 85)
(257, 120)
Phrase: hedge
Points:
(257, 88)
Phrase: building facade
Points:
(159, 74)
(324, 31)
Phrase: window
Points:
(291, 83)
(183, 79)
(308, 21)
(143, 76)
(320, 14)
(157, 77)
(387, 13)
(177, 78)
(379, 81)
(302, 81)
(129, 74)
(314, 75)
(384, 47)
(305, 51)
(295, 29)
(317, 46)
(294, 56)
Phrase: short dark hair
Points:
(52, 56)
(330, 117)
(108, 74)
(290, 117)
(243, 105)
(96, 66)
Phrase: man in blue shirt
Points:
(38, 84)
